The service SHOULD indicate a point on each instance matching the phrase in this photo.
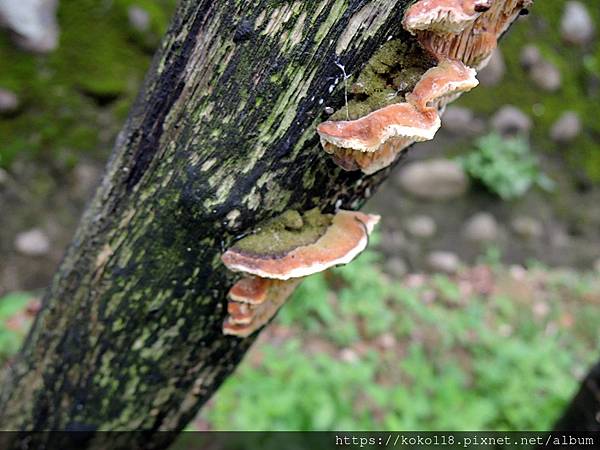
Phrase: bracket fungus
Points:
(341, 240)
(450, 16)
(447, 79)
(460, 35)
(373, 142)
(281, 253)
(471, 41)
(368, 162)
(367, 134)
(245, 317)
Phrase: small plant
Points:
(364, 352)
(505, 166)
(14, 323)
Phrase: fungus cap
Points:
(448, 78)
(251, 290)
(474, 43)
(244, 319)
(235, 329)
(342, 241)
(368, 162)
(443, 16)
(368, 133)
(240, 313)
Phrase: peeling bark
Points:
(222, 137)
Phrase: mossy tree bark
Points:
(221, 138)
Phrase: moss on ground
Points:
(578, 68)
(73, 96)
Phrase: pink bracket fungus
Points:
(443, 16)
(368, 133)
(250, 290)
(471, 41)
(244, 318)
(448, 78)
(460, 34)
(345, 237)
(368, 162)
(280, 254)
(373, 142)
(239, 313)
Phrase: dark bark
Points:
(221, 138)
(583, 413)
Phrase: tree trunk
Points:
(221, 138)
(583, 413)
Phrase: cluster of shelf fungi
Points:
(460, 35)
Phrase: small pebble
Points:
(482, 227)
(9, 102)
(32, 242)
(445, 262)
(139, 18)
(576, 25)
(421, 226)
(566, 128)
(510, 120)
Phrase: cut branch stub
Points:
(283, 252)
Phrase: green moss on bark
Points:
(285, 233)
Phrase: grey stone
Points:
(421, 226)
(461, 121)
(494, 71)
(566, 128)
(510, 120)
(396, 267)
(597, 265)
(33, 23)
(482, 227)
(560, 238)
(530, 56)
(9, 102)
(436, 179)
(576, 25)
(446, 262)
(87, 178)
(394, 241)
(33, 242)
(546, 76)
(527, 227)
(139, 18)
